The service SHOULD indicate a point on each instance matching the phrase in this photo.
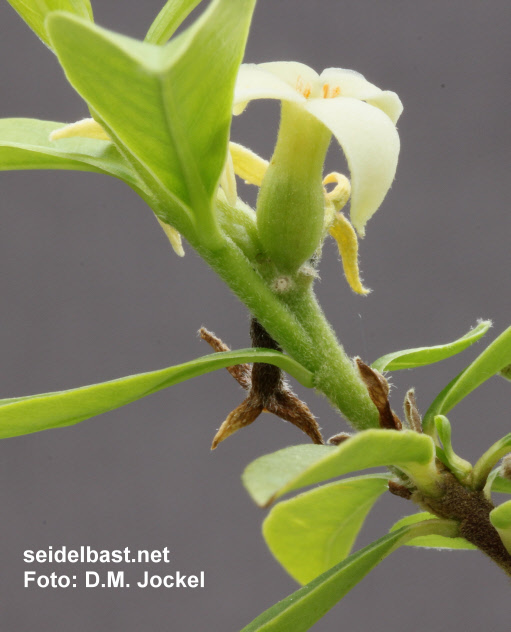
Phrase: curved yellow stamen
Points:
(248, 165)
(344, 234)
(340, 194)
(86, 128)
(337, 198)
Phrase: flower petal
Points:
(353, 84)
(388, 102)
(256, 83)
(296, 75)
(371, 145)
(247, 164)
(86, 128)
(174, 238)
(228, 181)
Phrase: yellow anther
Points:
(174, 237)
(330, 92)
(340, 195)
(303, 87)
(344, 234)
(248, 165)
(86, 128)
(228, 181)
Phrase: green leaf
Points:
(273, 475)
(25, 144)
(488, 460)
(316, 530)
(169, 19)
(458, 466)
(411, 358)
(23, 415)
(431, 541)
(300, 611)
(34, 12)
(168, 108)
(501, 485)
(500, 518)
(492, 360)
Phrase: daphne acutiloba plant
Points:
(159, 118)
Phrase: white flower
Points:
(361, 117)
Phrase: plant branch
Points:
(471, 509)
(295, 320)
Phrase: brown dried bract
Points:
(505, 469)
(412, 414)
(240, 372)
(339, 438)
(378, 389)
(267, 391)
(399, 490)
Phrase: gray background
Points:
(91, 291)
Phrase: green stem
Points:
(297, 323)
(335, 375)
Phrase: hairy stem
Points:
(297, 323)
(335, 375)
(471, 509)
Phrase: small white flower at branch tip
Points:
(361, 117)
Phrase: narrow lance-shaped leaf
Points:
(301, 610)
(411, 358)
(23, 415)
(35, 12)
(275, 474)
(492, 360)
(168, 108)
(316, 530)
(25, 144)
(433, 541)
(173, 13)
